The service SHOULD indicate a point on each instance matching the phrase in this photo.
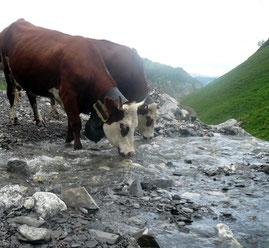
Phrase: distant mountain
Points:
(173, 81)
(242, 93)
(205, 80)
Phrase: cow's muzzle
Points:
(128, 155)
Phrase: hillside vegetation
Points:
(243, 94)
(173, 81)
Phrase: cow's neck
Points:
(100, 108)
(115, 94)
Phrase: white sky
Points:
(208, 37)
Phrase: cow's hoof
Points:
(14, 121)
(77, 147)
(40, 123)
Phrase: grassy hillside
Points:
(243, 94)
(173, 81)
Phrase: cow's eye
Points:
(124, 130)
(149, 121)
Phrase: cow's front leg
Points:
(38, 118)
(73, 133)
(74, 122)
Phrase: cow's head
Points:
(120, 127)
(146, 119)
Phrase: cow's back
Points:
(126, 67)
(41, 59)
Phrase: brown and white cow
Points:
(126, 68)
(69, 68)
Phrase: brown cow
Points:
(69, 68)
(126, 67)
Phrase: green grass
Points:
(242, 93)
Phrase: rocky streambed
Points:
(193, 185)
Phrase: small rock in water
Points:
(79, 198)
(19, 167)
(225, 233)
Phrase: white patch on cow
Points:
(12, 115)
(38, 117)
(55, 93)
(148, 131)
(113, 131)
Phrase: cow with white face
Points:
(146, 119)
(116, 119)
(121, 133)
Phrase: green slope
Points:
(173, 81)
(242, 93)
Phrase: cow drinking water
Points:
(69, 68)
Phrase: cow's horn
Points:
(139, 104)
(120, 104)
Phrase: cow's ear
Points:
(113, 110)
(110, 105)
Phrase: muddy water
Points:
(217, 173)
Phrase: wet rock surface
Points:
(193, 185)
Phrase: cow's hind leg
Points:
(54, 111)
(38, 118)
(11, 90)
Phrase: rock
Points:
(28, 221)
(29, 202)
(18, 167)
(91, 244)
(135, 189)
(264, 168)
(145, 239)
(157, 183)
(79, 198)
(169, 106)
(225, 233)
(34, 234)
(101, 236)
(48, 204)
(12, 196)
(229, 127)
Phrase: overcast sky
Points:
(208, 37)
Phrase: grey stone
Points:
(135, 189)
(34, 234)
(91, 244)
(28, 221)
(19, 167)
(12, 196)
(79, 198)
(48, 204)
(101, 236)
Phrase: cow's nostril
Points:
(130, 154)
(145, 138)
